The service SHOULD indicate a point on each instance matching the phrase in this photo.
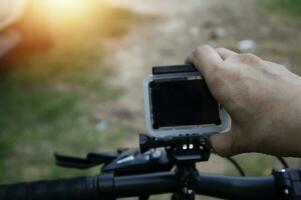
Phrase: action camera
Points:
(179, 103)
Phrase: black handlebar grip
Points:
(63, 189)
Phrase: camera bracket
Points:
(180, 149)
(184, 151)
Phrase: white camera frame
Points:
(205, 129)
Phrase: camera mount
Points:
(184, 151)
(180, 149)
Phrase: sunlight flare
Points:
(63, 8)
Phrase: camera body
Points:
(179, 103)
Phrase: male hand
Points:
(262, 98)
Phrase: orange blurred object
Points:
(62, 9)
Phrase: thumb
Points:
(223, 144)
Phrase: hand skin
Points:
(262, 98)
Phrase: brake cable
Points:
(236, 165)
(241, 171)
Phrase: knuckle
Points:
(246, 55)
(200, 50)
(221, 49)
(249, 58)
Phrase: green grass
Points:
(255, 164)
(284, 6)
(295, 55)
(48, 100)
(285, 14)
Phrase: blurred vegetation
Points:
(285, 6)
(48, 97)
(285, 16)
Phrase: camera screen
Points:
(182, 103)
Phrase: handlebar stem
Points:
(288, 183)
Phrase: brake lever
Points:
(91, 160)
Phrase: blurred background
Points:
(71, 71)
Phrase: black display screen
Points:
(182, 103)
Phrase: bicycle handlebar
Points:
(231, 187)
(73, 188)
(103, 186)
